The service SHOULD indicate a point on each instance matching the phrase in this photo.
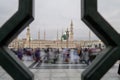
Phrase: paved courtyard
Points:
(61, 74)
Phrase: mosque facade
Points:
(58, 43)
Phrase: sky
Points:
(53, 15)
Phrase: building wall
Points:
(54, 44)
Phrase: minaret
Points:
(57, 39)
(61, 38)
(39, 35)
(39, 38)
(28, 37)
(90, 42)
(28, 33)
(57, 35)
(16, 45)
(62, 32)
(71, 38)
(44, 35)
(89, 35)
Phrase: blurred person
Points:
(37, 55)
(86, 56)
(20, 54)
(74, 57)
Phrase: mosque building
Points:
(69, 42)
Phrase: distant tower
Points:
(28, 33)
(44, 35)
(62, 33)
(61, 38)
(57, 35)
(28, 37)
(71, 37)
(39, 35)
(16, 43)
(39, 38)
(89, 35)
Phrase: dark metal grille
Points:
(107, 34)
(8, 32)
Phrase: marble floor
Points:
(70, 74)
(63, 72)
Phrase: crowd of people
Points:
(54, 55)
(80, 55)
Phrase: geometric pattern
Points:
(9, 31)
(107, 34)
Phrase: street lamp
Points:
(67, 35)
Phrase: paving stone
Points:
(58, 70)
(44, 70)
(42, 79)
(74, 75)
(42, 75)
(74, 78)
(59, 78)
(59, 75)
